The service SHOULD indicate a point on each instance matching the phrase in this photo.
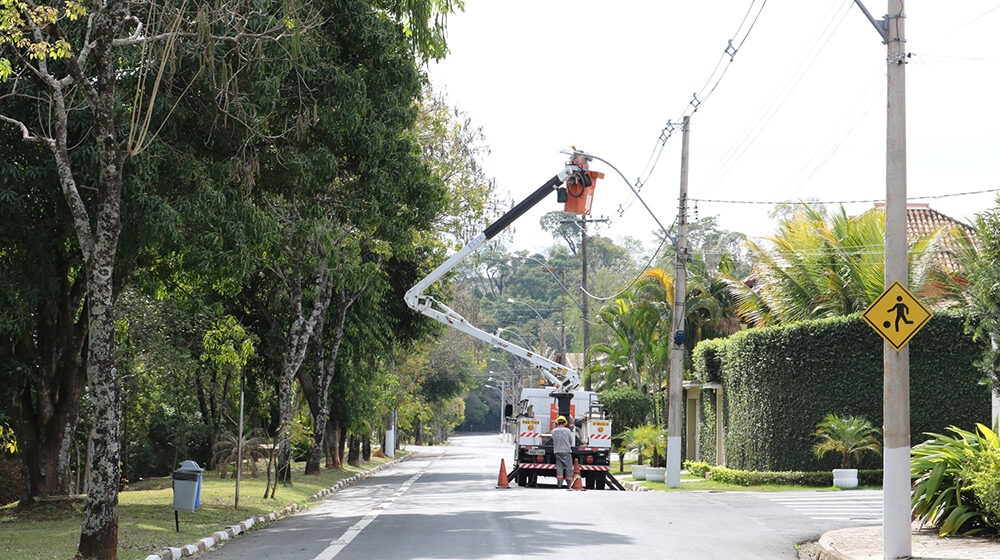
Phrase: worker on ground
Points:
(562, 446)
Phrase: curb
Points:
(218, 538)
(634, 486)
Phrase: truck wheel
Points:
(600, 483)
(522, 479)
(589, 481)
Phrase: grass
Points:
(51, 531)
(691, 483)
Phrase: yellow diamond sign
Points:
(897, 315)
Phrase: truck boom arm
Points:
(566, 378)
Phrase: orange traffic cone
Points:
(577, 479)
(502, 479)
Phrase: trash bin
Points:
(187, 486)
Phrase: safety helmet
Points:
(561, 420)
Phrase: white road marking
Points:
(341, 542)
(834, 506)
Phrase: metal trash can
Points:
(187, 486)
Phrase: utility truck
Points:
(536, 411)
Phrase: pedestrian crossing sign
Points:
(897, 315)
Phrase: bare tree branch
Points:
(26, 134)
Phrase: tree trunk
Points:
(46, 406)
(299, 335)
(332, 444)
(342, 442)
(419, 429)
(319, 440)
(366, 447)
(354, 451)
(325, 367)
(283, 470)
(99, 533)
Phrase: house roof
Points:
(922, 220)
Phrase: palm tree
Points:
(819, 265)
(849, 436)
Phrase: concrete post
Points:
(720, 434)
(693, 390)
(896, 390)
(675, 393)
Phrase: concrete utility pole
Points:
(585, 308)
(896, 389)
(897, 539)
(675, 391)
(586, 301)
(562, 328)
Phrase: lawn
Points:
(51, 531)
(690, 482)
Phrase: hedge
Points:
(779, 382)
(820, 479)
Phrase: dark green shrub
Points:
(706, 358)
(627, 407)
(779, 382)
(755, 478)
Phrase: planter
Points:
(656, 474)
(845, 478)
(639, 472)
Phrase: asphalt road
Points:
(443, 504)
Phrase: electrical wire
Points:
(698, 98)
(634, 280)
(801, 68)
(821, 203)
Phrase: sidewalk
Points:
(865, 543)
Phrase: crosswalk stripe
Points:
(833, 507)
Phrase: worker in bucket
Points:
(562, 446)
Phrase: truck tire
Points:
(601, 482)
(522, 478)
(589, 481)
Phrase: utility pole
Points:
(562, 328)
(897, 539)
(585, 308)
(675, 393)
(239, 441)
(896, 389)
(587, 385)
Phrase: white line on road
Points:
(340, 543)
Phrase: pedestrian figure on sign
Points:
(901, 312)
(562, 446)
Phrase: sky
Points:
(798, 115)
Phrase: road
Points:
(443, 504)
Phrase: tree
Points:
(452, 148)
(76, 72)
(850, 436)
(982, 260)
(562, 226)
(824, 266)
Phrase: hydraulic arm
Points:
(577, 173)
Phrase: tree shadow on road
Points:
(476, 534)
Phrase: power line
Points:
(733, 46)
(801, 68)
(820, 203)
